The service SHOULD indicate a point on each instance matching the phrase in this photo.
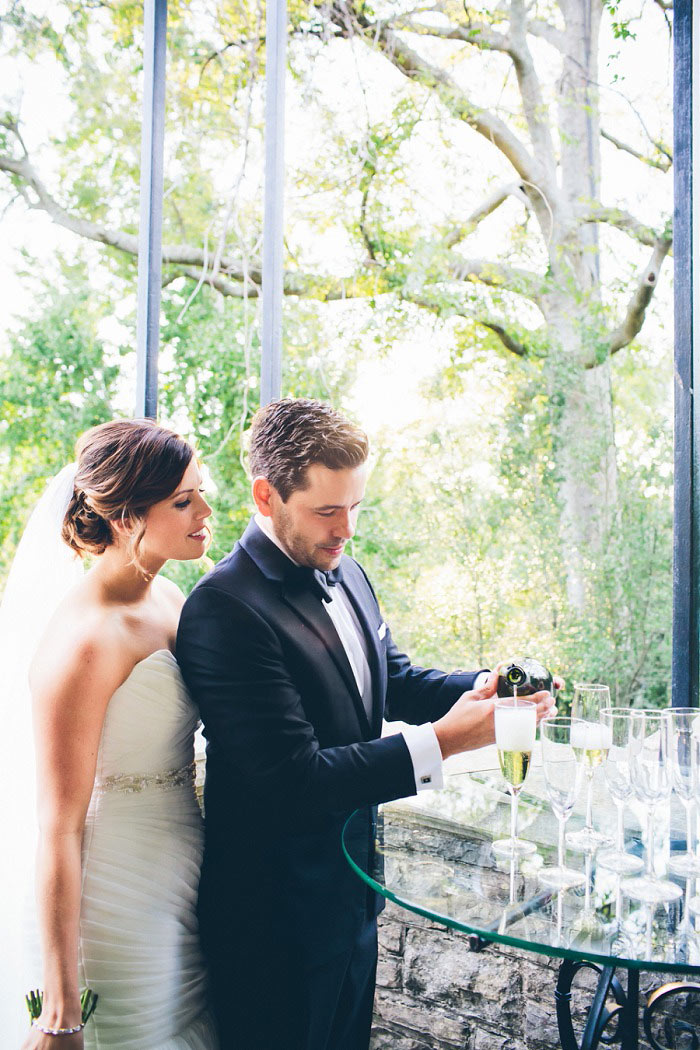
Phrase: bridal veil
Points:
(43, 571)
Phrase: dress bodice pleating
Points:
(150, 722)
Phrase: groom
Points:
(284, 648)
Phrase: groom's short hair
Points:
(289, 435)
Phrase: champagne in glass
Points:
(514, 766)
(515, 724)
(591, 742)
(562, 778)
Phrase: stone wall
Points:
(433, 993)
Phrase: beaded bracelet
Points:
(58, 1031)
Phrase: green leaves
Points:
(88, 1003)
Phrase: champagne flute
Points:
(562, 778)
(683, 723)
(591, 741)
(651, 784)
(516, 724)
(693, 903)
(617, 774)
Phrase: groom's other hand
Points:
(546, 702)
(469, 723)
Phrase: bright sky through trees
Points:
(514, 378)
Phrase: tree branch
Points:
(487, 206)
(308, 286)
(506, 338)
(414, 67)
(546, 31)
(663, 163)
(230, 280)
(534, 107)
(235, 289)
(183, 254)
(242, 42)
(13, 125)
(497, 275)
(621, 220)
(637, 306)
(455, 310)
(477, 33)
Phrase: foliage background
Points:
(461, 528)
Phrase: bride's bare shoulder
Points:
(83, 641)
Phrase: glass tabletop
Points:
(432, 855)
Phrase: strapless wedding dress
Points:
(142, 851)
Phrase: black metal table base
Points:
(614, 1014)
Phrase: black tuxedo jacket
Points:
(291, 751)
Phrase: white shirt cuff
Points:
(481, 679)
(423, 747)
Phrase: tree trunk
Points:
(578, 368)
(583, 440)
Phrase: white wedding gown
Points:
(142, 851)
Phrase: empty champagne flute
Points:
(693, 903)
(617, 774)
(562, 777)
(591, 741)
(683, 721)
(651, 784)
(516, 724)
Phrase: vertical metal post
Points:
(155, 17)
(272, 270)
(686, 507)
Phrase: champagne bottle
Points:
(524, 676)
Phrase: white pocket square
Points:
(381, 630)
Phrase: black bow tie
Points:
(318, 582)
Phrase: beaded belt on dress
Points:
(129, 783)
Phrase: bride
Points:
(120, 833)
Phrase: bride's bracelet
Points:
(58, 1031)
(35, 1005)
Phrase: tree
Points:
(543, 300)
(55, 383)
(540, 279)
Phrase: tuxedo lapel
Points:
(275, 565)
(307, 606)
(377, 664)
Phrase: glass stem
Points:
(650, 844)
(620, 826)
(687, 803)
(513, 815)
(562, 825)
(589, 800)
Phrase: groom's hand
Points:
(469, 722)
(546, 703)
(469, 725)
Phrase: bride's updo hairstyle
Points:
(124, 468)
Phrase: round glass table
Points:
(432, 855)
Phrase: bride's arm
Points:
(70, 694)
